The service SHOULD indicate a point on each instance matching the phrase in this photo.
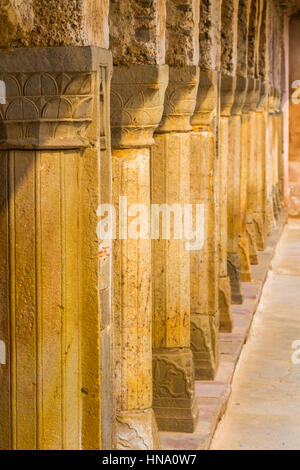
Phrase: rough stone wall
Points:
(229, 36)
(252, 38)
(182, 45)
(258, 32)
(137, 31)
(209, 35)
(271, 42)
(263, 44)
(37, 23)
(16, 20)
(242, 50)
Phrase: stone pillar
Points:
(137, 106)
(228, 84)
(259, 214)
(244, 239)
(234, 188)
(280, 163)
(274, 151)
(204, 262)
(52, 315)
(252, 171)
(173, 371)
(270, 214)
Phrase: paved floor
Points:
(264, 409)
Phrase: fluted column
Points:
(173, 372)
(204, 262)
(234, 188)
(228, 84)
(51, 309)
(137, 107)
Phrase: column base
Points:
(252, 243)
(226, 318)
(259, 230)
(174, 400)
(234, 272)
(244, 251)
(204, 344)
(137, 430)
(276, 202)
(270, 218)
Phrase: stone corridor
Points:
(264, 409)
(148, 162)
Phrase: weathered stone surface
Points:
(137, 31)
(210, 37)
(137, 430)
(16, 20)
(182, 32)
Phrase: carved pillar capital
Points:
(137, 103)
(228, 85)
(239, 95)
(51, 97)
(250, 96)
(256, 95)
(263, 98)
(206, 101)
(180, 100)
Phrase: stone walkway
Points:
(264, 408)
